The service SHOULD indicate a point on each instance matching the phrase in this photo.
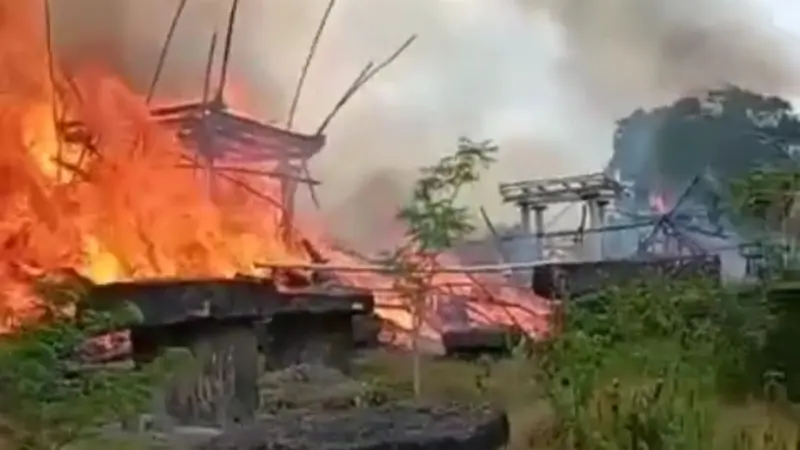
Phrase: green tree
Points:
(48, 397)
(434, 222)
(767, 195)
(739, 143)
(726, 133)
(730, 130)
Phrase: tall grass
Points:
(661, 365)
(657, 366)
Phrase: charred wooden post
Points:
(224, 137)
(222, 322)
(540, 230)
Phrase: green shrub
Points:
(643, 366)
(48, 398)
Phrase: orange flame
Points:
(121, 208)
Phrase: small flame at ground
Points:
(658, 203)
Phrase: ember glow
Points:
(658, 203)
(112, 198)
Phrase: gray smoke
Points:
(626, 53)
(519, 71)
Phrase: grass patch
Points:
(511, 384)
(507, 383)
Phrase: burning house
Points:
(177, 209)
(228, 163)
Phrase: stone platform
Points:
(235, 329)
(391, 427)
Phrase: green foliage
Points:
(434, 219)
(767, 194)
(779, 358)
(727, 133)
(643, 366)
(48, 397)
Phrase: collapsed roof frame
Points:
(222, 141)
(596, 191)
(219, 135)
(533, 193)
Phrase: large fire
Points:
(123, 208)
(120, 208)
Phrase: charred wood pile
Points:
(387, 427)
(234, 328)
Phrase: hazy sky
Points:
(785, 13)
(548, 96)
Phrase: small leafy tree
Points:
(48, 398)
(435, 221)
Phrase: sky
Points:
(785, 14)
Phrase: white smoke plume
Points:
(543, 78)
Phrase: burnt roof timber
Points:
(560, 190)
(290, 144)
(254, 172)
(231, 145)
(241, 135)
